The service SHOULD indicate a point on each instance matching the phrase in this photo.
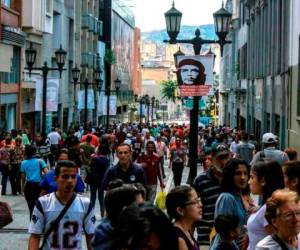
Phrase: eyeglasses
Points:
(193, 202)
(290, 215)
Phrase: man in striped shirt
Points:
(207, 185)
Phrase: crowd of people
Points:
(246, 194)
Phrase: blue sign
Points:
(204, 120)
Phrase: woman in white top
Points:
(265, 178)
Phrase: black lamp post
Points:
(176, 55)
(97, 78)
(108, 91)
(147, 102)
(75, 76)
(152, 105)
(30, 55)
(222, 19)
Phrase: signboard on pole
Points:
(195, 75)
(90, 99)
(52, 94)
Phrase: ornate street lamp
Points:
(117, 85)
(173, 22)
(75, 74)
(98, 81)
(30, 56)
(222, 20)
(60, 56)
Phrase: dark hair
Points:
(137, 222)
(225, 224)
(103, 149)
(117, 199)
(30, 151)
(114, 184)
(245, 136)
(140, 189)
(292, 153)
(271, 171)
(292, 171)
(89, 138)
(177, 197)
(63, 164)
(201, 76)
(150, 142)
(227, 183)
(124, 144)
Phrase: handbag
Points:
(6, 216)
(54, 224)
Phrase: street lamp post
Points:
(30, 55)
(141, 101)
(97, 78)
(222, 19)
(108, 91)
(147, 102)
(75, 76)
(152, 105)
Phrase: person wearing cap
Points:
(207, 185)
(269, 141)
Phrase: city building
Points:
(255, 68)
(293, 90)
(12, 40)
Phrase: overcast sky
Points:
(150, 13)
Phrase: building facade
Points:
(255, 68)
(12, 40)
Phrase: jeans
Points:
(94, 188)
(162, 161)
(5, 174)
(177, 168)
(31, 192)
(14, 178)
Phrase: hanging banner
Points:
(102, 108)
(90, 99)
(51, 95)
(142, 108)
(195, 75)
(188, 102)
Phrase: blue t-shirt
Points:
(32, 168)
(49, 183)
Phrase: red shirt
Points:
(94, 142)
(151, 169)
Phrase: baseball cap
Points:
(269, 138)
(220, 150)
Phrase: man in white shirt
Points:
(54, 138)
(78, 218)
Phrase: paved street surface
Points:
(15, 235)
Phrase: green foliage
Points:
(109, 57)
(169, 90)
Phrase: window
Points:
(49, 7)
(6, 3)
(14, 75)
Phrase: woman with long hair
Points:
(265, 178)
(235, 199)
(185, 208)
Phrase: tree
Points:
(169, 90)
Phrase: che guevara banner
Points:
(195, 75)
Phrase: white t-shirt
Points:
(54, 137)
(79, 217)
(256, 227)
(268, 243)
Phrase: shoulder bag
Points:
(54, 224)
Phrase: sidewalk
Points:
(15, 236)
